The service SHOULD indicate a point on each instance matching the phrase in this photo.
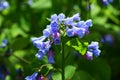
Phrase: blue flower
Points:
(79, 31)
(107, 39)
(76, 17)
(54, 27)
(3, 4)
(4, 43)
(40, 54)
(80, 24)
(32, 77)
(89, 22)
(69, 21)
(47, 31)
(70, 32)
(42, 46)
(107, 2)
(93, 49)
(54, 17)
(61, 17)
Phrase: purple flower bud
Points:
(40, 77)
(56, 38)
(89, 55)
(50, 57)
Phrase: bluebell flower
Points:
(69, 21)
(4, 43)
(69, 32)
(50, 57)
(79, 31)
(85, 25)
(54, 27)
(107, 2)
(40, 54)
(38, 42)
(76, 17)
(44, 48)
(93, 49)
(107, 39)
(54, 17)
(80, 24)
(3, 4)
(32, 77)
(61, 17)
(47, 32)
(89, 22)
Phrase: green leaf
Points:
(82, 75)
(69, 72)
(42, 4)
(56, 76)
(16, 30)
(19, 43)
(78, 46)
(25, 26)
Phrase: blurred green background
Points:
(23, 20)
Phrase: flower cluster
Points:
(51, 35)
(107, 2)
(93, 49)
(3, 4)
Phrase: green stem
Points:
(63, 62)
